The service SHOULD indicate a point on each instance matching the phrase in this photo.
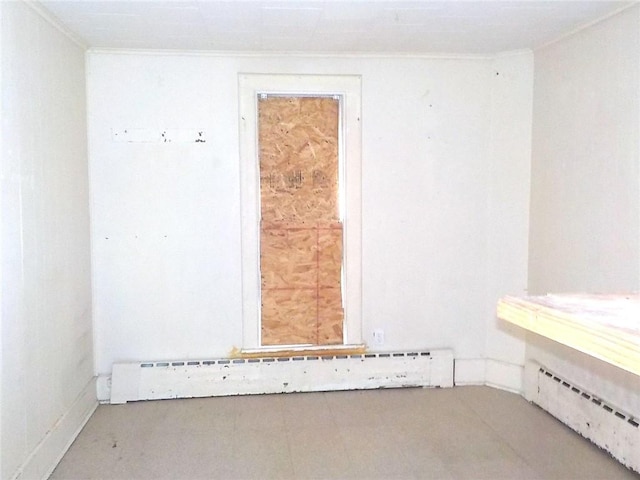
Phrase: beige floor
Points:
(460, 433)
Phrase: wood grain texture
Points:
(298, 145)
(603, 326)
(300, 232)
(315, 351)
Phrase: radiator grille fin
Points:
(589, 414)
(595, 400)
(299, 372)
(227, 361)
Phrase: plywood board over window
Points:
(301, 233)
(253, 87)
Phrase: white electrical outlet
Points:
(378, 337)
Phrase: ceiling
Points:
(338, 26)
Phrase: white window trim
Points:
(348, 87)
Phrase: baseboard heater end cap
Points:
(125, 379)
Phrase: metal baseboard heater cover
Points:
(134, 381)
(593, 417)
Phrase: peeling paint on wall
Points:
(149, 135)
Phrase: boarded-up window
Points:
(300, 231)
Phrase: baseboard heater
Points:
(132, 381)
(597, 419)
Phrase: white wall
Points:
(446, 145)
(585, 220)
(46, 336)
(166, 217)
(509, 169)
(585, 184)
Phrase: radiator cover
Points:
(157, 380)
(585, 412)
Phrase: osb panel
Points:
(330, 316)
(298, 145)
(307, 258)
(330, 256)
(301, 237)
(280, 307)
(301, 256)
(288, 258)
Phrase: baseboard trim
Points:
(469, 371)
(505, 376)
(44, 458)
(103, 388)
(491, 372)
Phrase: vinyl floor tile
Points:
(462, 433)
